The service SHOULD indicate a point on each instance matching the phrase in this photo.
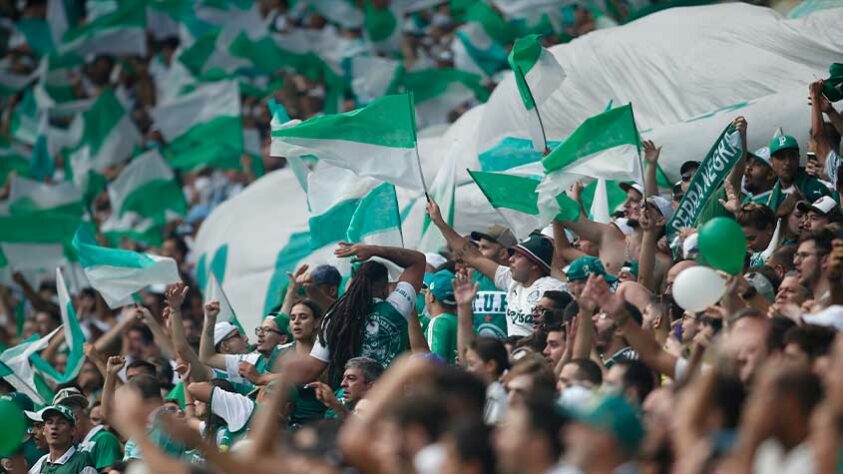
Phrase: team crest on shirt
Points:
(534, 296)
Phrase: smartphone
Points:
(811, 156)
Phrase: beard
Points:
(634, 223)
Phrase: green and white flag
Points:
(148, 187)
(437, 92)
(516, 199)
(214, 292)
(476, 52)
(346, 207)
(121, 32)
(600, 211)
(24, 120)
(13, 157)
(133, 227)
(28, 196)
(604, 146)
(17, 370)
(443, 192)
(202, 128)
(381, 26)
(373, 77)
(108, 138)
(118, 274)
(11, 83)
(74, 338)
(41, 164)
(537, 75)
(378, 140)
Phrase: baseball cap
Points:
(762, 154)
(22, 400)
(783, 142)
(222, 330)
(537, 248)
(325, 275)
(664, 206)
(762, 285)
(282, 320)
(42, 414)
(627, 186)
(613, 415)
(440, 287)
(824, 205)
(688, 168)
(70, 396)
(584, 266)
(496, 233)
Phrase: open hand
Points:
(464, 291)
(651, 152)
(359, 252)
(176, 294)
(732, 202)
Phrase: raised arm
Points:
(411, 261)
(293, 288)
(175, 297)
(207, 353)
(736, 175)
(651, 156)
(39, 303)
(563, 251)
(464, 292)
(113, 367)
(645, 345)
(461, 247)
(587, 304)
(647, 254)
(818, 102)
(161, 338)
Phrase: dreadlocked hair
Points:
(344, 322)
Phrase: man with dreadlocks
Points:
(368, 320)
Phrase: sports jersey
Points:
(385, 335)
(520, 300)
(441, 336)
(489, 308)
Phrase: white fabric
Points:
(232, 407)
(232, 365)
(496, 403)
(222, 330)
(832, 163)
(772, 458)
(520, 300)
(403, 299)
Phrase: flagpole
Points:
(536, 108)
(416, 143)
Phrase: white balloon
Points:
(697, 288)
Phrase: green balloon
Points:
(723, 244)
(14, 427)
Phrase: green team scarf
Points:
(713, 170)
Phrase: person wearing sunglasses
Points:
(687, 172)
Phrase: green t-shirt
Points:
(104, 447)
(31, 452)
(489, 309)
(441, 336)
(385, 336)
(71, 462)
(306, 407)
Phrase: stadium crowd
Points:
(569, 351)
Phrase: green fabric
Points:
(331, 414)
(106, 449)
(489, 308)
(78, 461)
(587, 265)
(306, 407)
(833, 90)
(524, 55)
(176, 394)
(441, 336)
(385, 336)
(31, 452)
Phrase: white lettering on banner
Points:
(712, 172)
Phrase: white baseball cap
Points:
(222, 330)
(664, 206)
(823, 205)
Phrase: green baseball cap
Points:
(48, 410)
(783, 142)
(582, 267)
(282, 320)
(440, 286)
(613, 415)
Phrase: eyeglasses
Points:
(231, 336)
(260, 330)
(687, 177)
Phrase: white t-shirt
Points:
(403, 299)
(832, 162)
(232, 407)
(520, 300)
(232, 365)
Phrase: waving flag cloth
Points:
(604, 146)
(537, 75)
(147, 187)
(517, 201)
(475, 51)
(117, 274)
(345, 207)
(121, 32)
(108, 137)
(203, 128)
(17, 370)
(73, 337)
(214, 292)
(378, 140)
